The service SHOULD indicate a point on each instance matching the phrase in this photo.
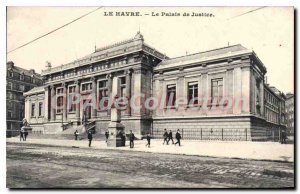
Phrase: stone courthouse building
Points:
(213, 95)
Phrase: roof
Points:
(10, 65)
(35, 90)
(203, 56)
(110, 51)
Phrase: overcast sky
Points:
(268, 31)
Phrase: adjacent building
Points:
(289, 105)
(218, 94)
(18, 81)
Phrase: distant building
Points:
(274, 105)
(18, 81)
(289, 106)
(224, 94)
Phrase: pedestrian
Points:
(131, 139)
(106, 135)
(170, 136)
(283, 137)
(25, 134)
(178, 137)
(22, 133)
(165, 137)
(148, 140)
(76, 134)
(90, 137)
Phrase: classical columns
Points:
(64, 102)
(128, 92)
(46, 104)
(94, 94)
(77, 104)
(109, 86)
(53, 103)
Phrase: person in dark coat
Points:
(106, 136)
(178, 137)
(148, 140)
(90, 138)
(170, 136)
(131, 139)
(165, 137)
(76, 134)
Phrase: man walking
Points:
(170, 135)
(148, 140)
(165, 137)
(131, 139)
(90, 137)
(76, 134)
(106, 136)
(178, 137)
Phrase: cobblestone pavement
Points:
(41, 166)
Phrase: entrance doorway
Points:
(88, 109)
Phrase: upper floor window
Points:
(10, 74)
(217, 89)
(86, 87)
(40, 108)
(171, 95)
(123, 86)
(21, 88)
(103, 94)
(21, 76)
(32, 109)
(72, 107)
(9, 85)
(193, 93)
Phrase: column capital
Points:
(63, 84)
(128, 71)
(110, 75)
(76, 81)
(92, 79)
(52, 87)
(140, 70)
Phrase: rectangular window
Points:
(59, 104)
(8, 125)
(32, 110)
(71, 94)
(171, 95)
(216, 89)
(9, 85)
(193, 93)
(86, 87)
(21, 88)
(123, 86)
(40, 108)
(9, 114)
(21, 77)
(103, 94)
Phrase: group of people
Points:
(169, 136)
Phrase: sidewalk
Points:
(244, 150)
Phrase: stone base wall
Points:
(139, 127)
(221, 129)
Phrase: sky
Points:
(268, 31)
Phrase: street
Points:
(42, 166)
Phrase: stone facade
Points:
(18, 81)
(290, 106)
(226, 86)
